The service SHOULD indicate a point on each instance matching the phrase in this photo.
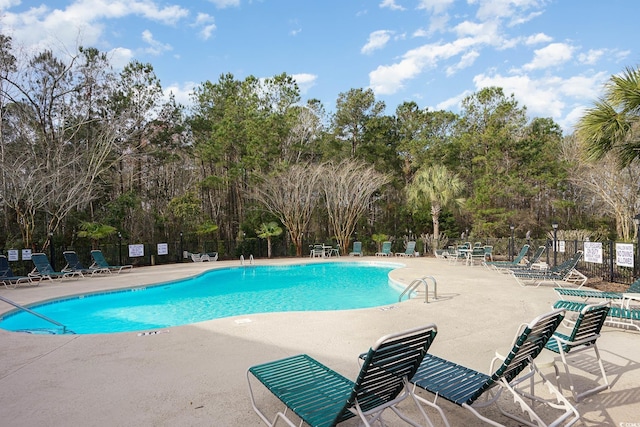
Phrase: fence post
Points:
(611, 271)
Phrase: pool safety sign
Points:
(624, 254)
(136, 250)
(593, 252)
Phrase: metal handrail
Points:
(43, 317)
(417, 282)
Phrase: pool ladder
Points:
(250, 259)
(421, 281)
(25, 309)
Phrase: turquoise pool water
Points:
(218, 293)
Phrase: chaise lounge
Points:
(473, 390)
(322, 397)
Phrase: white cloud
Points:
(512, 9)
(541, 97)
(81, 22)
(466, 61)
(377, 40)
(305, 81)
(5, 4)
(569, 121)
(485, 32)
(155, 47)
(206, 24)
(550, 56)
(223, 4)
(388, 79)
(591, 57)
(453, 103)
(391, 4)
(549, 96)
(434, 6)
(538, 38)
(181, 92)
(120, 57)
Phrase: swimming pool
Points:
(216, 294)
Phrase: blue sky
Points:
(553, 55)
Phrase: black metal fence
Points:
(607, 270)
(173, 252)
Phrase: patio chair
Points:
(9, 279)
(43, 270)
(409, 251)
(99, 261)
(624, 312)
(488, 253)
(529, 264)
(458, 252)
(199, 257)
(322, 397)
(583, 337)
(564, 272)
(357, 249)
(386, 249)
(505, 264)
(74, 264)
(473, 390)
(588, 294)
(317, 251)
(478, 252)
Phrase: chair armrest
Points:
(582, 341)
(628, 299)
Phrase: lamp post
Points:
(181, 248)
(512, 244)
(636, 219)
(555, 243)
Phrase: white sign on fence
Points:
(624, 254)
(26, 254)
(593, 252)
(163, 249)
(12, 254)
(136, 250)
(560, 245)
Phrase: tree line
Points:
(88, 151)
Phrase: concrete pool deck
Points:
(194, 375)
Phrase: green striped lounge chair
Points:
(624, 312)
(528, 265)
(588, 294)
(475, 390)
(321, 397)
(506, 264)
(99, 261)
(562, 273)
(386, 249)
(582, 337)
(9, 279)
(43, 270)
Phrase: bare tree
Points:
(348, 187)
(616, 189)
(291, 195)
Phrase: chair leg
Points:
(579, 396)
(558, 401)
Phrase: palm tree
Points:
(95, 231)
(438, 187)
(268, 230)
(612, 124)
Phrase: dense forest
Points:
(88, 152)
